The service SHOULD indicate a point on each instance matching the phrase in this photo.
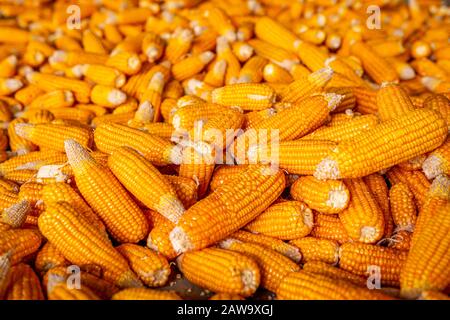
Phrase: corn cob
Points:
(61, 291)
(102, 288)
(6, 185)
(440, 103)
(109, 137)
(125, 221)
(221, 270)
(438, 162)
(252, 70)
(49, 257)
(158, 238)
(39, 116)
(59, 216)
(314, 249)
(415, 180)
(5, 273)
(379, 189)
(307, 85)
(403, 208)
(17, 143)
(189, 235)
(152, 268)
(53, 100)
(276, 74)
(325, 269)
(401, 240)
(185, 118)
(366, 100)
(298, 286)
(323, 196)
(16, 214)
(359, 258)
(329, 227)
(242, 50)
(374, 65)
(21, 243)
(226, 296)
(49, 82)
(275, 54)
(298, 156)
(276, 34)
(141, 180)
(221, 23)
(273, 265)
(126, 62)
(410, 135)
(33, 160)
(433, 295)
(362, 219)
(112, 118)
(393, 101)
(289, 124)
(178, 45)
(24, 284)
(145, 294)
(246, 96)
(286, 220)
(39, 133)
(190, 66)
(60, 191)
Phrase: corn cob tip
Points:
(145, 112)
(367, 233)
(337, 198)
(52, 171)
(75, 152)
(21, 129)
(13, 84)
(327, 169)
(176, 155)
(116, 97)
(79, 70)
(180, 240)
(171, 206)
(16, 214)
(333, 99)
(440, 187)
(385, 84)
(129, 280)
(227, 243)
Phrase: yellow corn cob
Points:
(61, 291)
(145, 294)
(285, 220)
(97, 110)
(8, 66)
(242, 50)
(224, 52)
(307, 85)
(6, 185)
(92, 43)
(379, 189)
(27, 94)
(80, 115)
(125, 221)
(275, 54)
(410, 135)
(7, 199)
(226, 296)
(325, 269)
(199, 167)
(24, 284)
(21, 243)
(224, 174)
(438, 162)
(60, 191)
(252, 70)
(53, 100)
(109, 137)
(403, 208)
(221, 23)
(436, 85)
(39, 133)
(345, 131)
(190, 66)
(59, 216)
(106, 96)
(17, 143)
(246, 96)
(16, 214)
(49, 257)
(440, 103)
(104, 289)
(126, 62)
(374, 65)
(273, 265)
(216, 74)
(103, 75)
(415, 180)
(298, 286)
(363, 219)
(299, 71)
(275, 33)
(113, 118)
(393, 101)
(184, 118)
(178, 45)
(151, 267)
(324, 196)
(315, 249)
(311, 56)
(33, 160)
(221, 270)
(250, 202)
(298, 156)
(173, 90)
(49, 82)
(32, 192)
(152, 46)
(185, 188)
(403, 69)
(276, 74)
(9, 86)
(145, 182)
(427, 68)
(359, 257)
(158, 238)
(400, 240)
